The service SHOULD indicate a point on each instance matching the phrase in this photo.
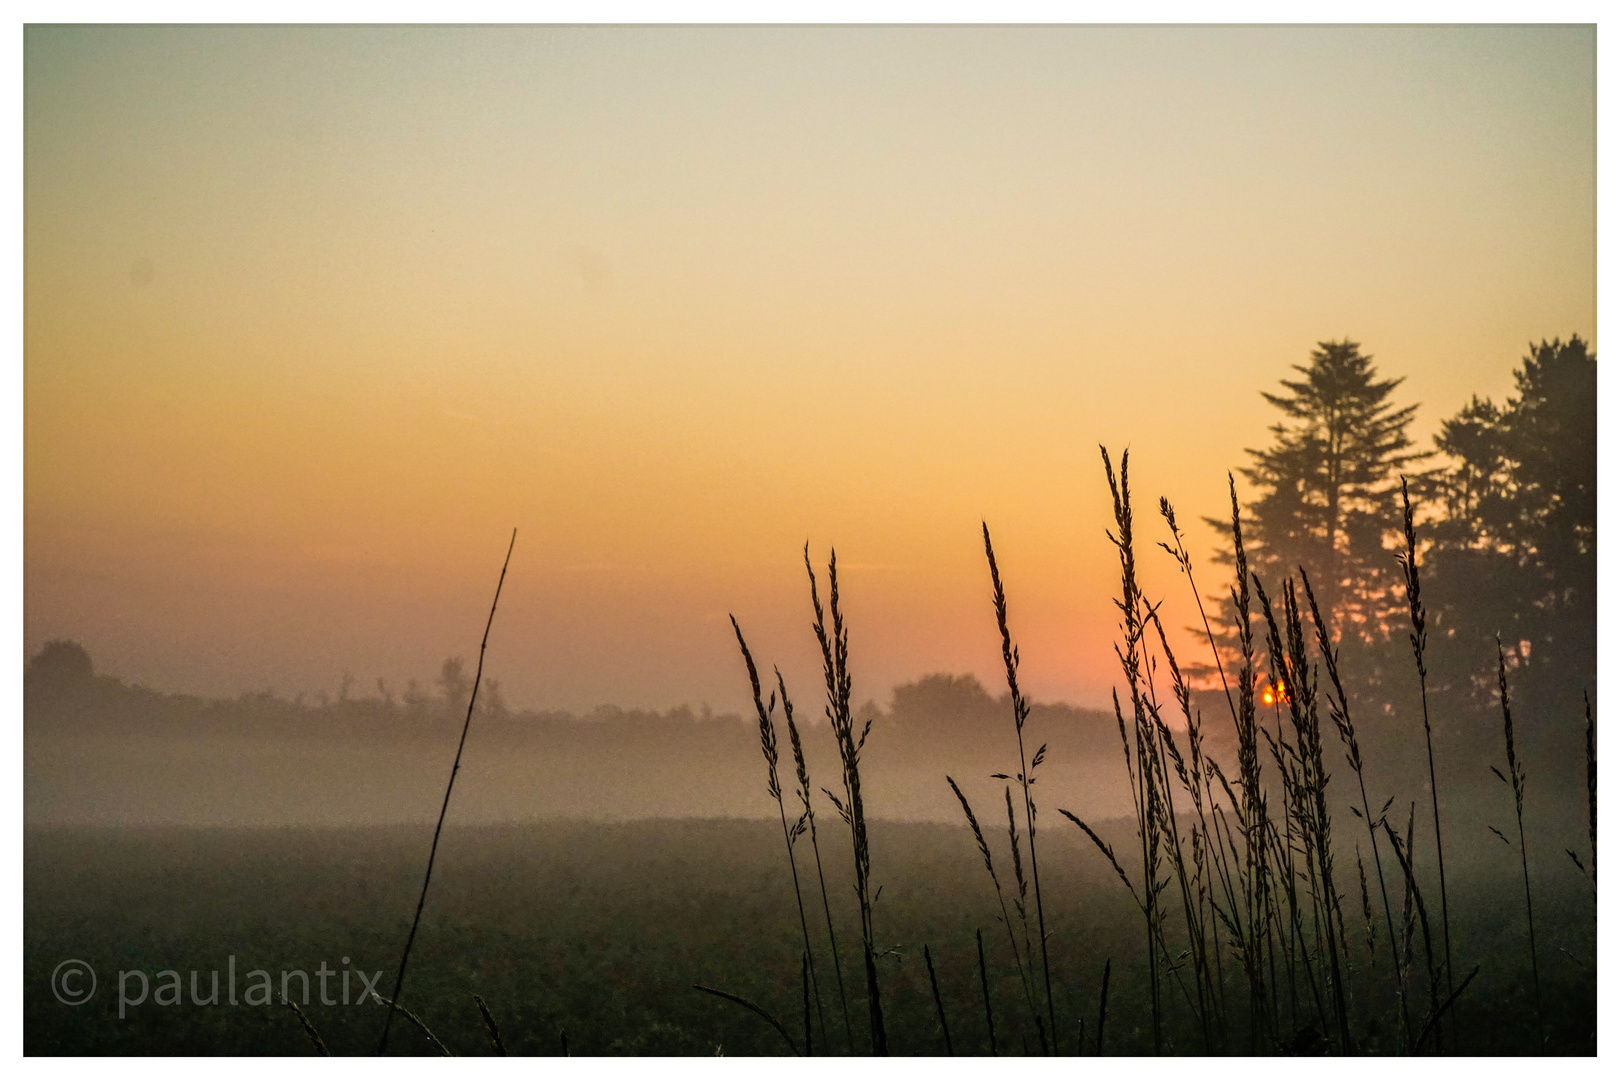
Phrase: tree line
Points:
(1505, 509)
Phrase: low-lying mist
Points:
(99, 752)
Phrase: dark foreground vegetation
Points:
(598, 931)
(1242, 869)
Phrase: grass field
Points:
(599, 931)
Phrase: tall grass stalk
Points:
(1292, 671)
(1415, 899)
(1515, 779)
(1102, 1003)
(1286, 869)
(745, 1003)
(427, 878)
(1591, 787)
(310, 1033)
(1448, 1003)
(1021, 905)
(804, 992)
(1339, 710)
(1026, 766)
(984, 988)
(1591, 802)
(939, 1003)
(1001, 898)
(490, 1027)
(808, 816)
(1194, 887)
(773, 785)
(1296, 950)
(415, 1021)
(1252, 940)
(1366, 907)
(1211, 824)
(835, 669)
(1419, 638)
(1144, 782)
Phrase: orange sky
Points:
(314, 316)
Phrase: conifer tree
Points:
(1516, 554)
(1326, 489)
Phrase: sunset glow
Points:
(315, 316)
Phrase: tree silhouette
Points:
(1516, 554)
(454, 684)
(1327, 488)
(59, 665)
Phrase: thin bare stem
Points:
(990, 868)
(489, 1026)
(984, 987)
(804, 987)
(1416, 896)
(472, 700)
(416, 1022)
(1515, 779)
(1102, 1006)
(1439, 1012)
(756, 1010)
(939, 1004)
(310, 1033)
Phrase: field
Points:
(597, 932)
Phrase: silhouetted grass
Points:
(1419, 638)
(427, 878)
(808, 817)
(1026, 777)
(1261, 884)
(1515, 779)
(852, 808)
(490, 1026)
(773, 785)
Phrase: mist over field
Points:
(103, 753)
(100, 752)
(169, 831)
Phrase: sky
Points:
(314, 317)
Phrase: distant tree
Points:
(494, 700)
(454, 684)
(60, 664)
(941, 700)
(1327, 489)
(1472, 440)
(1516, 553)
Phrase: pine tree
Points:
(1326, 489)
